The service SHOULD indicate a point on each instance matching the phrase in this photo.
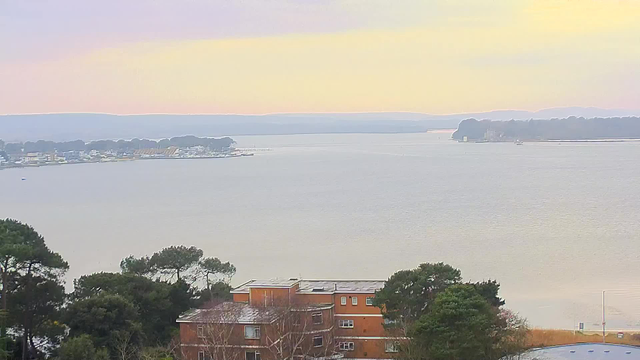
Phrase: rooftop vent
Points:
(317, 289)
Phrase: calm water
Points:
(555, 224)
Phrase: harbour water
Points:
(555, 224)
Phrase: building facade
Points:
(279, 319)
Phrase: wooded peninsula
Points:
(571, 128)
(41, 153)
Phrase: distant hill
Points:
(68, 127)
(571, 128)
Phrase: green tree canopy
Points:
(158, 303)
(175, 261)
(102, 317)
(443, 319)
(137, 266)
(215, 271)
(461, 325)
(489, 291)
(35, 309)
(26, 262)
(408, 294)
(80, 348)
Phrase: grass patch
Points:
(543, 338)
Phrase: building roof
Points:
(341, 286)
(241, 313)
(585, 352)
(316, 286)
(230, 313)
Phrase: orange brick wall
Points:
(369, 349)
(361, 308)
(302, 299)
(189, 335)
(271, 296)
(241, 298)
(362, 326)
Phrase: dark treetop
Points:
(119, 145)
(571, 128)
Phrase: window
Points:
(369, 301)
(345, 324)
(252, 332)
(343, 300)
(317, 318)
(252, 355)
(346, 346)
(391, 347)
(200, 355)
(354, 300)
(296, 319)
(317, 341)
(200, 331)
(389, 321)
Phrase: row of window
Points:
(347, 346)
(250, 332)
(318, 341)
(354, 301)
(253, 332)
(248, 355)
(345, 324)
(389, 346)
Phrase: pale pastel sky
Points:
(266, 56)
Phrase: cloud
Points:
(448, 57)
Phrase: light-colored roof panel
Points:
(274, 283)
(317, 286)
(585, 352)
(341, 286)
(230, 313)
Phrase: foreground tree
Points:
(175, 261)
(81, 348)
(34, 310)
(26, 262)
(437, 317)
(408, 294)
(460, 326)
(137, 266)
(214, 269)
(105, 318)
(157, 302)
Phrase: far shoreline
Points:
(124, 160)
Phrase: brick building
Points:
(275, 319)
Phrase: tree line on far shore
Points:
(111, 145)
(571, 128)
(131, 314)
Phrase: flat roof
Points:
(241, 313)
(316, 286)
(585, 352)
(230, 313)
(341, 286)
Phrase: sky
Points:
(274, 56)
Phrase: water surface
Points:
(555, 224)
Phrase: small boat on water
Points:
(519, 142)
